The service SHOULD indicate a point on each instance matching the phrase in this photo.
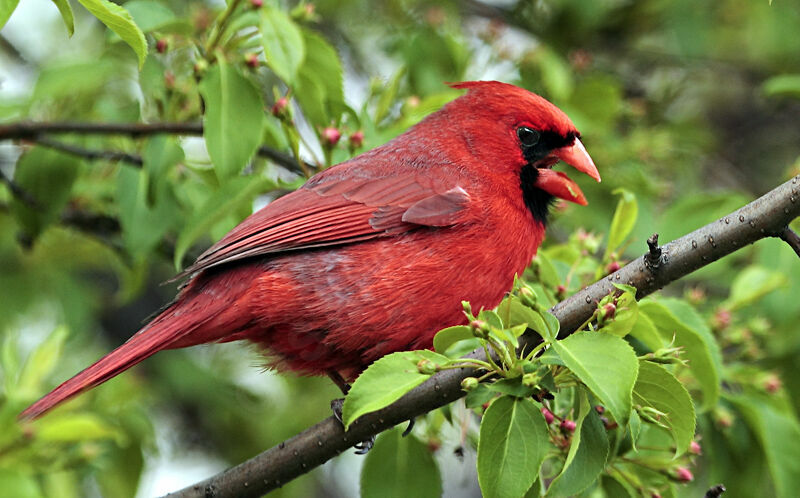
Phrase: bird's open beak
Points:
(559, 184)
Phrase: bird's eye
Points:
(528, 137)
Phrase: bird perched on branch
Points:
(374, 255)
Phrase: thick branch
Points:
(27, 130)
(764, 217)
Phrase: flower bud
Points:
(548, 415)
(682, 474)
(695, 448)
(480, 328)
(772, 384)
(280, 109)
(568, 425)
(256, 4)
(426, 367)
(600, 409)
(530, 380)
(467, 307)
(469, 384)
(612, 267)
(356, 140)
(330, 137)
(561, 292)
(200, 67)
(251, 60)
(721, 319)
(162, 45)
(608, 311)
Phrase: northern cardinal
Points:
(374, 255)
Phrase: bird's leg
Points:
(336, 406)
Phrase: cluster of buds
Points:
(480, 328)
(667, 356)
(280, 109)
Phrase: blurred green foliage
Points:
(691, 107)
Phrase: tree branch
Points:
(37, 132)
(790, 237)
(764, 217)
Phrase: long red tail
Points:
(156, 336)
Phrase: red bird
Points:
(374, 255)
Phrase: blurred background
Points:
(692, 106)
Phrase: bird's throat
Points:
(537, 201)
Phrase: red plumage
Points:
(374, 255)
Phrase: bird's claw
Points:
(364, 446)
(410, 426)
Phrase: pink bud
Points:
(357, 139)
(772, 384)
(609, 310)
(279, 107)
(162, 45)
(721, 319)
(330, 136)
(256, 3)
(695, 448)
(683, 474)
(251, 60)
(612, 267)
(548, 415)
(568, 425)
(600, 409)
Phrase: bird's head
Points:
(512, 128)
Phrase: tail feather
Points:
(158, 335)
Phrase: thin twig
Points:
(790, 237)
(20, 193)
(27, 130)
(90, 154)
(318, 444)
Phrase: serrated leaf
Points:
(66, 14)
(283, 43)
(230, 197)
(7, 8)
(689, 332)
(753, 283)
(623, 221)
(645, 331)
(233, 119)
(606, 364)
(511, 448)
(386, 381)
(119, 20)
(449, 336)
(656, 387)
(399, 467)
(513, 313)
(587, 454)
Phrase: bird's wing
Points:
(340, 210)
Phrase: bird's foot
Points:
(364, 446)
(410, 426)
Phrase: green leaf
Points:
(386, 381)
(41, 361)
(492, 318)
(229, 198)
(118, 20)
(320, 89)
(48, 177)
(656, 387)
(587, 455)
(233, 119)
(150, 15)
(160, 154)
(511, 448)
(784, 85)
(645, 331)
(143, 223)
(389, 95)
(513, 313)
(449, 336)
(74, 427)
(283, 43)
(511, 387)
(606, 364)
(14, 482)
(623, 221)
(778, 431)
(674, 318)
(399, 467)
(7, 8)
(752, 284)
(66, 14)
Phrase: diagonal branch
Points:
(790, 237)
(38, 132)
(764, 217)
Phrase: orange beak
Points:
(558, 184)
